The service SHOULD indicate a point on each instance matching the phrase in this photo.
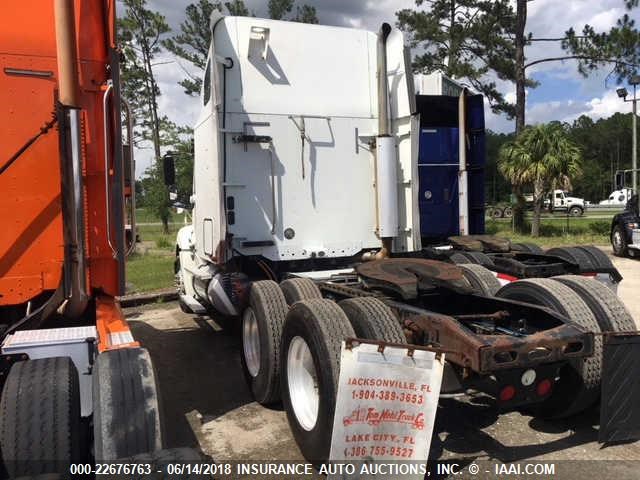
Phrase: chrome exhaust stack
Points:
(463, 175)
(386, 156)
(73, 213)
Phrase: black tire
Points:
(482, 280)
(157, 463)
(372, 319)
(296, 289)
(268, 305)
(507, 212)
(480, 258)
(496, 212)
(574, 255)
(126, 407)
(526, 247)
(619, 242)
(323, 326)
(575, 211)
(609, 311)
(579, 384)
(597, 256)
(40, 430)
(459, 258)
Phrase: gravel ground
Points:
(207, 403)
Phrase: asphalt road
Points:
(207, 404)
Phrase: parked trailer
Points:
(306, 229)
(76, 387)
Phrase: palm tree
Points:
(540, 157)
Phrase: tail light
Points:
(544, 387)
(507, 393)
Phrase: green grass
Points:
(155, 235)
(144, 215)
(555, 232)
(149, 272)
(153, 269)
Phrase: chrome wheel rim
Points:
(617, 240)
(302, 381)
(251, 341)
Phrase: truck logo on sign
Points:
(373, 416)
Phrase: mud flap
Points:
(619, 412)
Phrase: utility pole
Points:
(634, 142)
(622, 93)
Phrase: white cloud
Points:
(563, 110)
(606, 105)
(569, 110)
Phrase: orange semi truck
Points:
(76, 386)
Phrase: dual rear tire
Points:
(526, 247)
(584, 260)
(41, 431)
(127, 412)
(479, 258)
(292, 341)
(578, 386)
(310, 369)
(311, 348)
(592, 306)
(482, 280)
(588, 258)
(262, 323)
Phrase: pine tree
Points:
(237, 8)
(192, 43)
(469, 40)
(618, 49)
(140, 31)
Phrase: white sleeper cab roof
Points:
(289, 112)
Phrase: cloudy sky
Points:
(563, 94)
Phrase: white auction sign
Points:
(386, 407)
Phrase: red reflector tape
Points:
(508, 278)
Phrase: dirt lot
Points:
(207, 403)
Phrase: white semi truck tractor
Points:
(306, 232)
